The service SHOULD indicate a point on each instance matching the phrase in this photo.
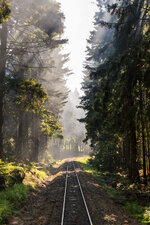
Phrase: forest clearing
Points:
(74, 112)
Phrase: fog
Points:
(39, 115)
(72, 144)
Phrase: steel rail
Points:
(87, 211)
(64, 202)
(83, 198)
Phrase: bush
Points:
(15, 177)
(11, 199)
(5, 210)
(141, 212)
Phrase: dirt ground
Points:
(103, 210)
(44, 206)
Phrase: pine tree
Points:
(113, 88)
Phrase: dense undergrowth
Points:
(133, 198)
(16, 182)
(11, 199)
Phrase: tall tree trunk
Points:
(35, 138)
(25, 134)
(127, 155)
(143, 135)
(19, 142)
(134, 167)
(144, 155)
(148, 147)
(3, 56)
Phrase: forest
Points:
(33, 79)
(117, 88)
(43, 123)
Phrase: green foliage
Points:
(10, 200)
(5, 210)
(49, 125)
(141, 212)
(88, 167)
(117, 91)
(39, 173)
(30, 96)
(16, 195)
(11, 174)
(13, 197)
(7, 168)
(4, 10)
(34, 73)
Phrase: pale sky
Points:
(79, 22)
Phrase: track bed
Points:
(74, 208)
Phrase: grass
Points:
(141, 212)
(7, 168)
(14, 196)
(40, 173)
(89, 168)
(59, 163)
(11, 199)
(134, 208)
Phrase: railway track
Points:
(75, 210)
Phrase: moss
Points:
(17, 181)
(39, 173)
(13, 192)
